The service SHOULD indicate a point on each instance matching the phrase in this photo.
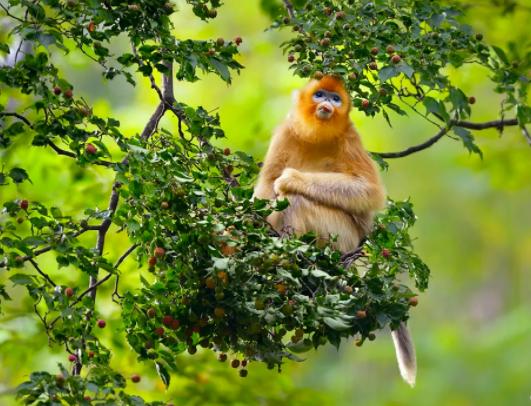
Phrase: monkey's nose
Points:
(325, 108)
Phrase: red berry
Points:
(386, 253)
(340, 15)
(24, 204)
(91, 26)
(375, 51)
(471, 99)
(238, 40)
(361, 314)
(352, 76)
(101, 323)
(151, 312)
(211, 52)
(373, 66)
(175, 324)
(87, 398)
(235, 363)
(69, 292)
(390, 49)
(91, 354)
(325, 42)
(396, 58)
(364, 103)
(413, 301)
(291, 58)
(167, 320)
(164, 205)
(222, 357)
(72, 358)
(226, 151)
(318, 75)
(68, 93)
(135, 378)
(57, 90)
(159, 331)
(152, 261)
(244, 363)
(90, 149)
(159, 252)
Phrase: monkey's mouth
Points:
(324, 111)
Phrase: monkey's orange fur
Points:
(321, 167)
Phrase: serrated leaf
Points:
(336, 323)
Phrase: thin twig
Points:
(19, 116)
(289, 8)
(44, 275)
(499, 124)
(70, 154)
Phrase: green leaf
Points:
(221, 68)
(387, 73)
(21, 279)
(163, 374)
(18, 175)
(468, 140)
(336, 323)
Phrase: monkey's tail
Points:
(405, 353)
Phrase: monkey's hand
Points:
(353, 194)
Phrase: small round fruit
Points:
(159, 331)
(211, 52)
(327, 11)
(352, 76)
(361, 314)
(238, 40)
(24, 204)
(152, 261)
(212, 13)
(375, 51)
(175, 324)
(210, 282)
(396, 58)
(164, 205)
(364, 103)
(68, 93)
(291, 58)
(371, 336)
(159, 252)
(219, 312)
(91, 26)
(69, 292)
(235, 363)
(57, 90)
(101, 323)
(87, 398)
(220, 42)
(348, 289)
(90, 149)
(325, 42)
(479, 36)
(390, 49)
(226, 151)
(340, 15)
(382, 92)
(318, 75)
(135, 378)
(244, 363)
(243, 373)
(471, 100)
(59, 379)
(222, 357)
(167, 320)
(386, 253)
(286, 20)
(91, 354)
(72, 358)
(413, 301)
(373, 66)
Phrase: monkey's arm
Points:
(274, 164)
(353, 194)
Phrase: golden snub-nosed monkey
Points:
(317, 162)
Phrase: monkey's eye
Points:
(336, 98)
(319, 94)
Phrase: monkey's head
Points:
(322, 109)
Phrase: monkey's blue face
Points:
(326, 102)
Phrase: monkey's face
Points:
(326, 103)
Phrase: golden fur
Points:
(321, 167)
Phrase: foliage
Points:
(219, 277)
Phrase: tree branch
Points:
(289, 8)
(19, 116)
(70, 154)
(44, 275)
(499, 124)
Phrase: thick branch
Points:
(19, 116)
(499, 124)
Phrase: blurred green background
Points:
(472, 328)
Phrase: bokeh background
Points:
(472, 327)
